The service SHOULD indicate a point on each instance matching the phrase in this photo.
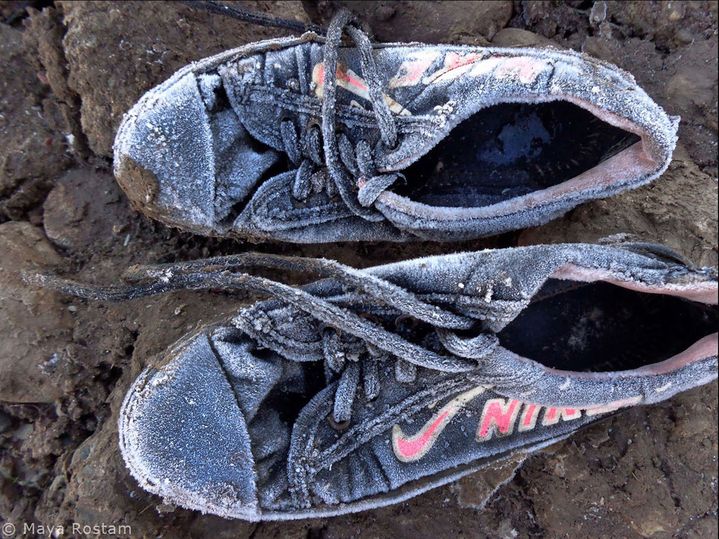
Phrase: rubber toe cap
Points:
(183, 436)
(164, 157)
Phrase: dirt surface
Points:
(70, 70)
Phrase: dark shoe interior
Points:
(509, 150)
(602, 327)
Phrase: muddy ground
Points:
(69, 70)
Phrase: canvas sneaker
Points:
(371, 386)
(311, 140)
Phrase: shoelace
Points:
(370, 184)
(342, 159)
(352, 360)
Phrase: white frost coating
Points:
(603, 89)
(192, 384)
(191, 197)
(184, 164)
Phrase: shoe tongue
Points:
(251, 377)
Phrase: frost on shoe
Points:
(186, 158)
(183, 435)
(437, 142)
(371, 386)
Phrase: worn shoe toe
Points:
(183, 436)
(164, 157)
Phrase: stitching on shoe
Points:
(267, 218)
(364, 432)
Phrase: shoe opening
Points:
(512, 149)
(600, 327)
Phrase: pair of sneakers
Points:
(368, 387)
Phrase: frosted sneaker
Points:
(307, 140)
(372, 386)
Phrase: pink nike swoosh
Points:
(411, 448)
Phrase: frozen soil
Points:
(70, 70)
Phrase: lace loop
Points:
(372, 188)
(345, 393)
(352, 344)
(477, 347)
(347, 154)
(353, 369)
(311, 178)
(338, 149)
(332, 350)
(313, 143)
(370, 379)
(289, 139)
(308, 176)
(388, 131)
(385, 122)
(302, 185)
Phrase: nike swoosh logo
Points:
(411, 448)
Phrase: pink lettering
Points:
(498, 416)
(529, 417)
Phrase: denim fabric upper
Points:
(256, 398)
(210, 141)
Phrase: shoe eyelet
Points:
(389, 148)
(313, 123)
(340, 427)
(285, 117)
